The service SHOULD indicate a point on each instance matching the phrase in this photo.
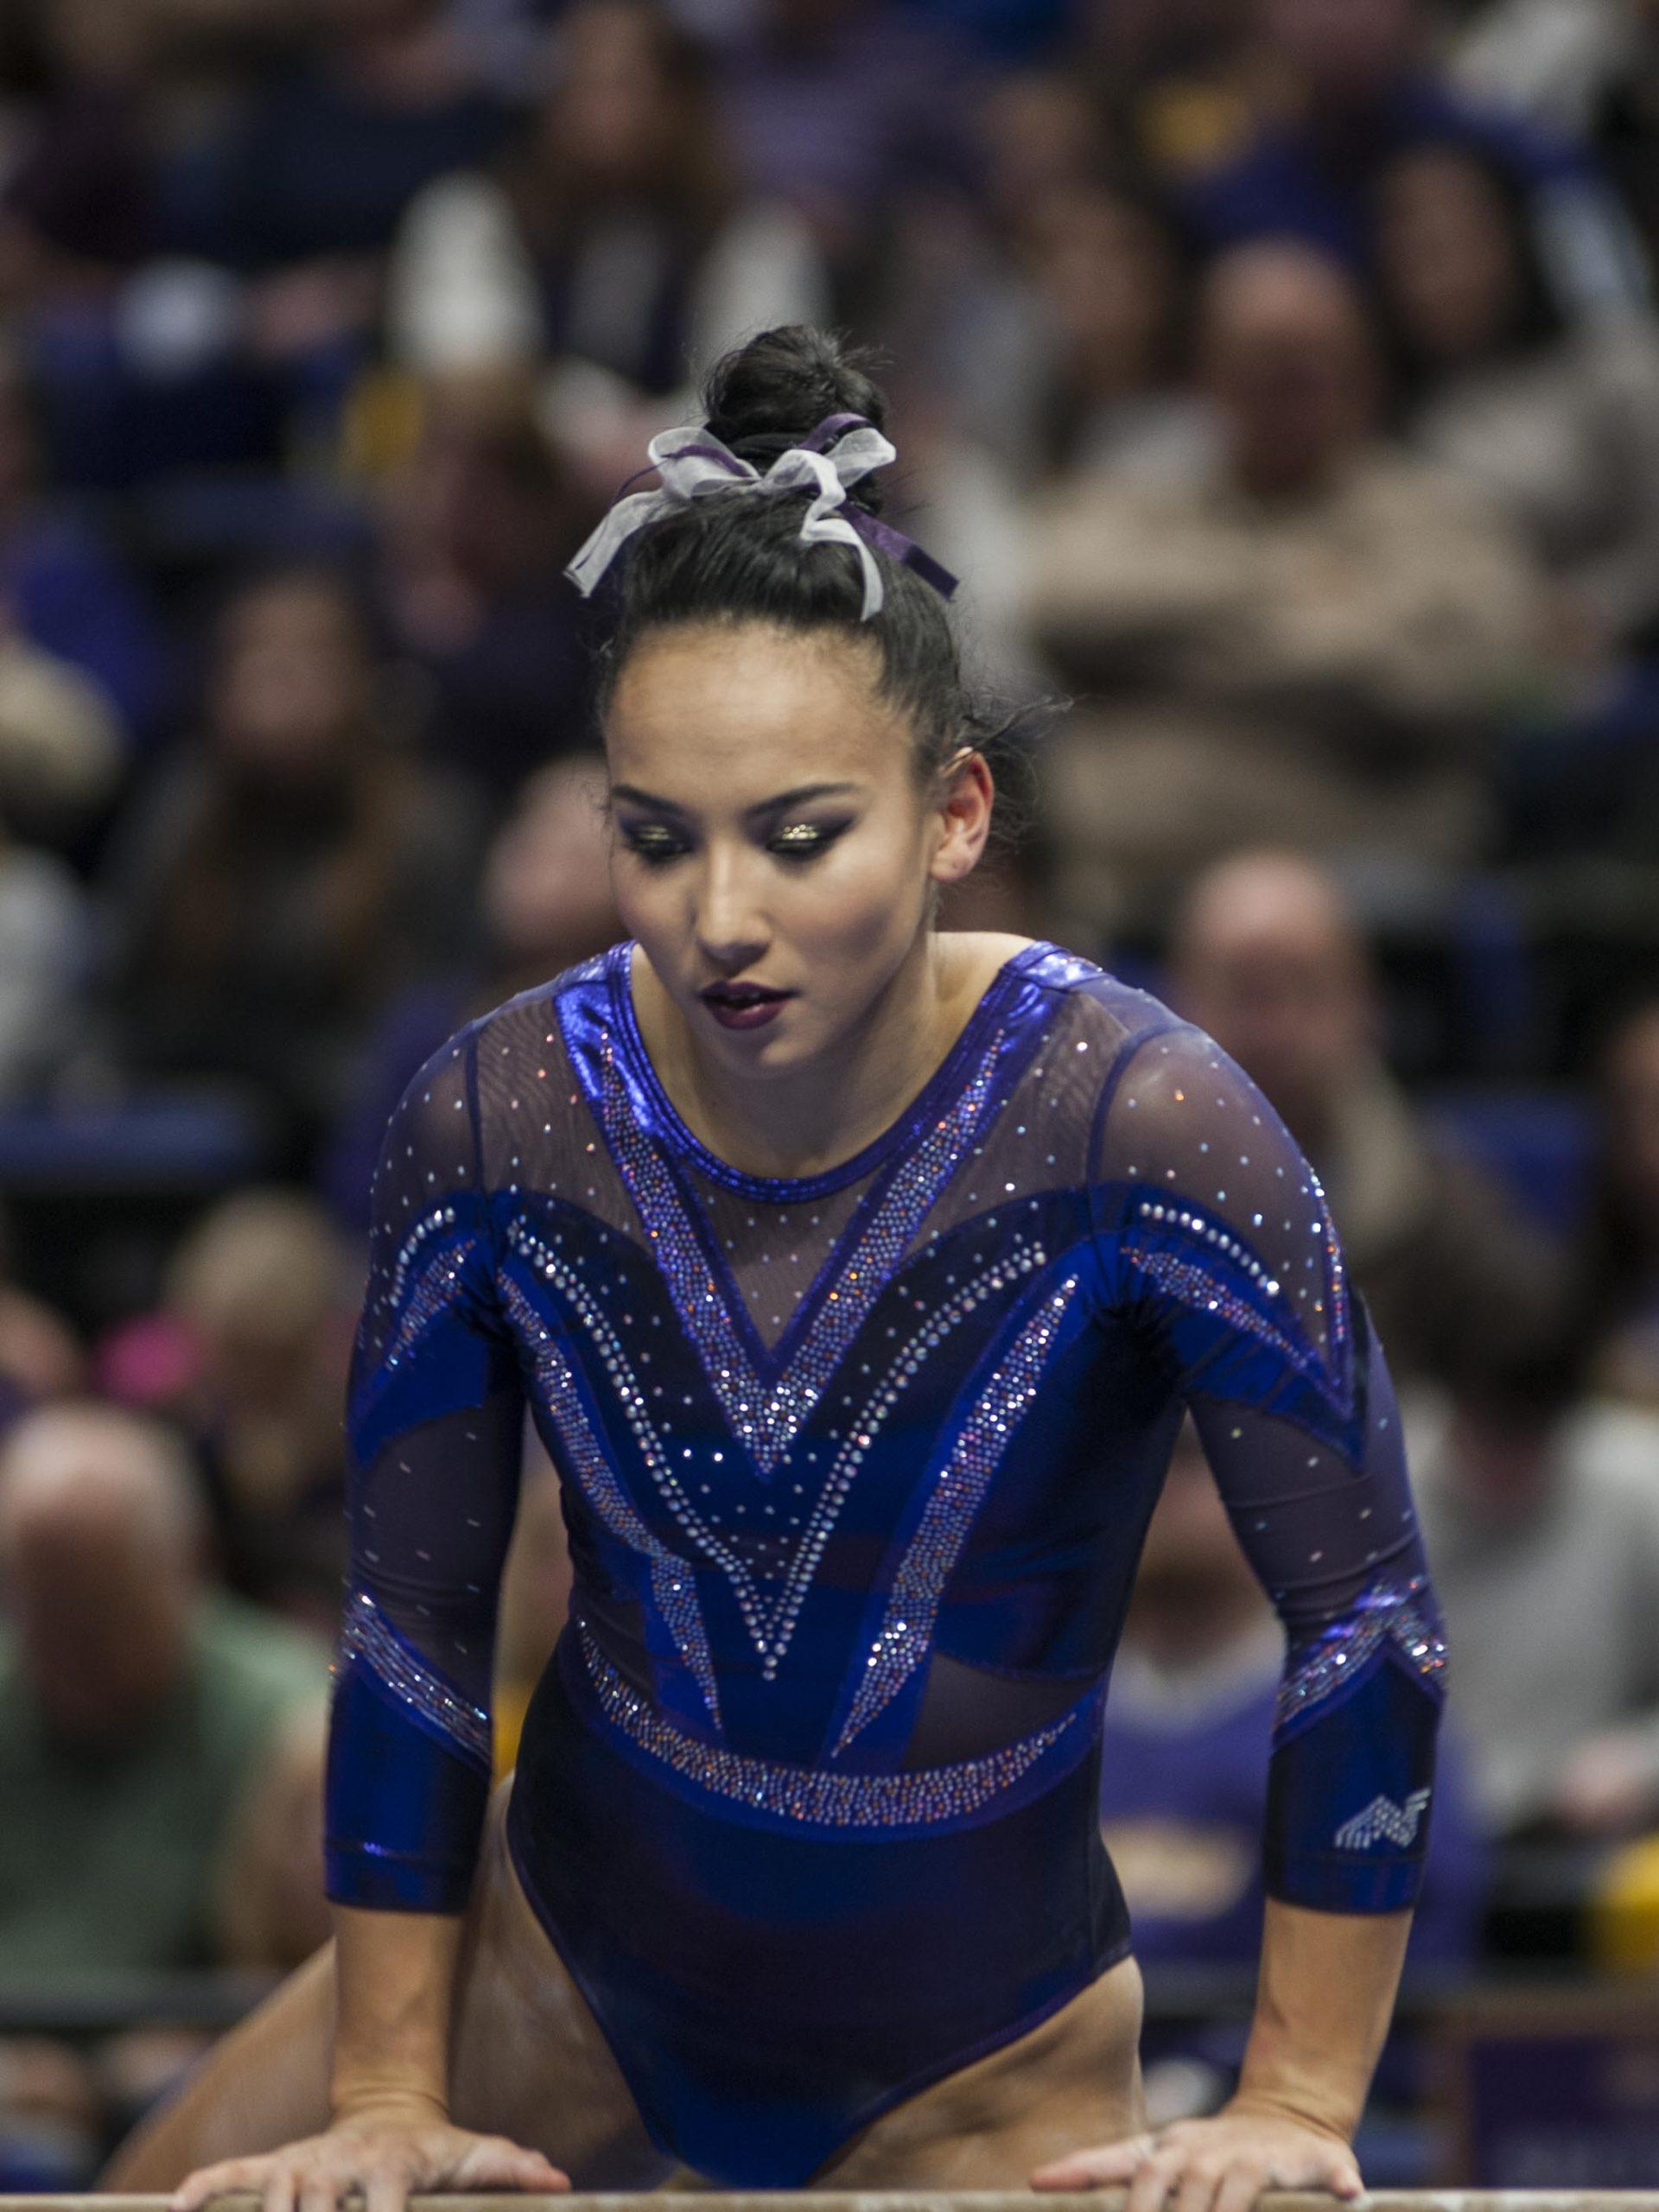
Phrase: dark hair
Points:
(1064, 411)
(692, 185)
(187, 933)
(1613, 1260)
(740, 559)
(1537, 315)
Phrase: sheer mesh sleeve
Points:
(434, 1430)
(1219, 1247)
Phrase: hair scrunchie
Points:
(692, 463)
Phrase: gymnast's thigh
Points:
(528, 2060)
(1071, 2082)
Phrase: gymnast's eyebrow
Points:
(761, 806)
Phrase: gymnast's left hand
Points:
(1218, 2165)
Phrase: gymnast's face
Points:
(769, 830)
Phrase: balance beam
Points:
(1105, 2199)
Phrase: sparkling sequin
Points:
(1195, 1287)
(673, 1581)
(1397, 1612)
(907, 1630)
(770, 1624)
(867, 1422)
(1223, 1276)
(810, 1795)
(428, 1226)
(768, 1417)
(434, 1293)
(631, 1396)
(367, 1636)
(1336, 1281)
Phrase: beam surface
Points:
(1104, 2200)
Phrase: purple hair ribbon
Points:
(691, 463)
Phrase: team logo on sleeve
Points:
(1383, 1821)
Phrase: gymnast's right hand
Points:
(388, 2152)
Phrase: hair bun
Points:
(770, 394)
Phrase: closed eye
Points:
(653, 844)
(804, 841)
(657, 845)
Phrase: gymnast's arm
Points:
(435, 1412)
(1219, 1248)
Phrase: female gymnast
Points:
(856, 1276)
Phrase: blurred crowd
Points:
(1282, 377)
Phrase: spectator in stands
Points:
(41, 1356)
(475, 531)
(271, 1911)
(544, 903)
(137, 1708)
(1625, 121)
(1265, 956)
(1091, 375)
(61, 589)
(1356, 84)
(1176, 75)
(619, 243)
(845, 107)
(1038, 130)
(1305, 636)
(1184, 1777)
(311, 180)
(275, 225)
(79, 199)
(1559, 423)
(288, 873)
(46, 961)
(247, 1355)
(1616, 1274)
(1541, 1513)
(1553, 58)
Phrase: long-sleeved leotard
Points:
(856, 1469)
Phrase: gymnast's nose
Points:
(731, 925)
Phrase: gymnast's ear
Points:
(965, 794)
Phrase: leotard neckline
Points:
(789, 1188)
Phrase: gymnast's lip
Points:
(743, 1005)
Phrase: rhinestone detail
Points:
(631, 1396)
(906, 1631)
(1386, 1612)
(434, 1293)
(768, 1417)
(673, 1579)
(808, 1793)
(1206, 1289)
(366, 1635)
(428, 1225)
(771, 1625)
(866, 1425)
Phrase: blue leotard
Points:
(856, 1469)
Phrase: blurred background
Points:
(1283, 377)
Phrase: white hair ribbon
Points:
(693, 465)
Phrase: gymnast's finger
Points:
(1200, 2183)
(385, 2190)
(1113, 2162)
(320, 2189)
(1340, 2173)
(509, 2165)
(1154, 2180)
(1239, 2191)
(208, 2181)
